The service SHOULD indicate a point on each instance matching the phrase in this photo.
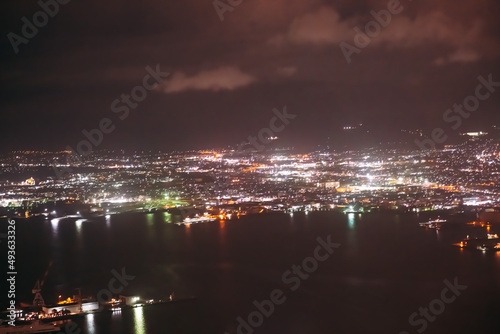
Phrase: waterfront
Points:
(385, 269)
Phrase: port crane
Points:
(37, 289)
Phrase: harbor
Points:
(39, 317)
(489, 243)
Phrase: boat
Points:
(436, 223)
(490, 243)
(203, 219)
(120, 305)
(28, 327)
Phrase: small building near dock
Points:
(130, 300)
(71, 307)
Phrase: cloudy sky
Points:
(226, 76)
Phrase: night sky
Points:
(227, 76)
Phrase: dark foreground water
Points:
(385, 269)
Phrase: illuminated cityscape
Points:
(460, 177)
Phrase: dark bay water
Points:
(384, 270)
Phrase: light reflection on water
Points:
(55, 225)
(90, 324)
(222, 239)
(350, 219)
(79, 224)
(150, 218)
(140, 327)
(117, 313)
(438, 235)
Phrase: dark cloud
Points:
(265, 54)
